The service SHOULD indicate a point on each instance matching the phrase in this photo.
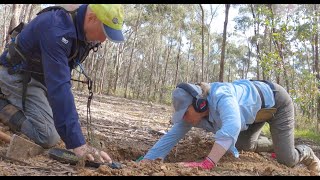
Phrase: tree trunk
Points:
(209, 43)
(152, 57)
(188, 60)
(280, 48)
(103, 69)
(27, 12)
(112, 72)
(178, 58)
(194, 75)
(202, 43)
(163, 82)
(4, 35)
(131, 55)
(249, 60)
(256, 26)
(223, 47)
(95, 71)
(15, 15)
(22, 13)
(117, 67)
(229, 74)
(316, 63)
(208, 59)
(265, 35)
(33, 6)
(157, 69)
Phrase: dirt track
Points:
(126, 129)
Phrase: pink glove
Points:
(207, 163)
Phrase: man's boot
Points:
(308, 158)
(11, 115)
(264, 144)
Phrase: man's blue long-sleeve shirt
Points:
(50, 37)
(232, 107)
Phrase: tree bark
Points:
(164, 77)
(209, 43)
(22, 14)
(223, 47)
(4, 35)
(158, 71)
(103, 69)
(27, 12)
(202, 43)
(280, 48)
(33, 6)
(152, 57)
(188, 60)
(131, 55)
(15, 12)
(117, 67)
(178, 58)
(316, 63)
(256, 26)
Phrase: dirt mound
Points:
(126, 129)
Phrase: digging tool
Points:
(20, 148)
(68, 157)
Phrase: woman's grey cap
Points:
(181, 100)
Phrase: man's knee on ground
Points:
(45, 136)
(11, 115)
(287, 162)
(48, 140)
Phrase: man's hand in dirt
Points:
(92, 154)
(207, 163)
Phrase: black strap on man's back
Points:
(263, 105)
(270, 84)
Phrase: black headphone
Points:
(199, 103)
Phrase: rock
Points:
(163, 167)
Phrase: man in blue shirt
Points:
(232, 111)
(48, 48)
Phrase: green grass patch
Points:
(266, 130)
(298, 133)
(307, 134)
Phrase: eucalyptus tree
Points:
(244, 23)
(215, 54)
(306, 43)
(15, 18)
(222, 60)
(202, 42)
(4, 12)
(253, 18)
(209, 20)
(190, 35)
(136, 28)
(179, 20)
(316, 60)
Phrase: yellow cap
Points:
(111, 15)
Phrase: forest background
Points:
(171, 43)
